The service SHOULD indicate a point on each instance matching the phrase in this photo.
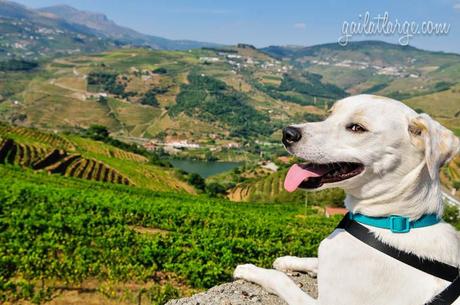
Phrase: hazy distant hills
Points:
(104, 26)
(61, 30)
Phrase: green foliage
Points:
(97, 132)
(452, 215)
(212, 100)
(442, 86)
(215, 189)
(456, 184)
(17, 65)
(197, 181)
(106, 81)
(310, 84)
(160, 70)
(70, 230)
(159, 295)
(376, 87)
(149, 97)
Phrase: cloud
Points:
(300, 26)
(457, 6)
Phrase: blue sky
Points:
(268, 22)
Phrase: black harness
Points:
(435, 268)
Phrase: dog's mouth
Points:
(314, 175)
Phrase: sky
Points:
(268, 22)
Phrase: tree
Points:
(215, 189)
(197, 181)
(97, 132)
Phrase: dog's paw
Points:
(245, 272)
(283, 264)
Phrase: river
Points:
(204, 168)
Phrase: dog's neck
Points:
(412, 196)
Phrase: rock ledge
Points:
(241, 292)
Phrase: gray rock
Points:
(241, 292)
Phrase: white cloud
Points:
(300, 26)
(457, 6)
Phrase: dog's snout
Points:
(291, 135)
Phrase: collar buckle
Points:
(399, 224)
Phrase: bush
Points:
(160, 71)
(149, 99)
(17, 65)
(452, 215)
(215, 189)
(107, 82)
(197, 181)
(97, 132)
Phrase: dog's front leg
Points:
(291, 263)
(275, 282)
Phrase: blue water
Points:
(204, 168)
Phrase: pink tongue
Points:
(296, 175)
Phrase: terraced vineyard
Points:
(271, 189)
(41, 139)
(58, 162)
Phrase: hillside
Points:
(77, 157)
(72, 240)
(146, 93)
(376, 67)
(62, 30)
(242, 93)
(26, 33)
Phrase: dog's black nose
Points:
(291, 135)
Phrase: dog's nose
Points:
(291, 135)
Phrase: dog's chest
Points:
(350, 273)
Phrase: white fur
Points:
(402, 153)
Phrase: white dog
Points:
(393, 156)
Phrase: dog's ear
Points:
(439, 143)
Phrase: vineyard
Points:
(74, 156)
(66, 231)
(39, 138)
(270, 189)
(58, 162)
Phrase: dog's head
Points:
(367, 144)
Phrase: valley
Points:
(135, 169)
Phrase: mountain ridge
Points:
(107, 27)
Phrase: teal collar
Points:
(395, 223)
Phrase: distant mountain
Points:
(108, 28)
(376, 67)
(376, 52)
(62, 30)
(27, 33)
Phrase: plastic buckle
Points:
(399, 224)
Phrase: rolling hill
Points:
(73, 156)
(229, 94)
(148, 93)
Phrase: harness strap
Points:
(435, 268)
(448, 295)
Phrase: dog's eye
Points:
(354, 127)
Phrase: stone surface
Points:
(241, 292)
